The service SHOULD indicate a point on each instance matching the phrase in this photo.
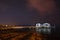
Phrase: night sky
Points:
(28, 12)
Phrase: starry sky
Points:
(28, 12)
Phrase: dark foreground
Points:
(22, 34)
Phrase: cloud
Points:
(41, 5)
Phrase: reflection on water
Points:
(21, 34)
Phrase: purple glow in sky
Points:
(17, 12)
